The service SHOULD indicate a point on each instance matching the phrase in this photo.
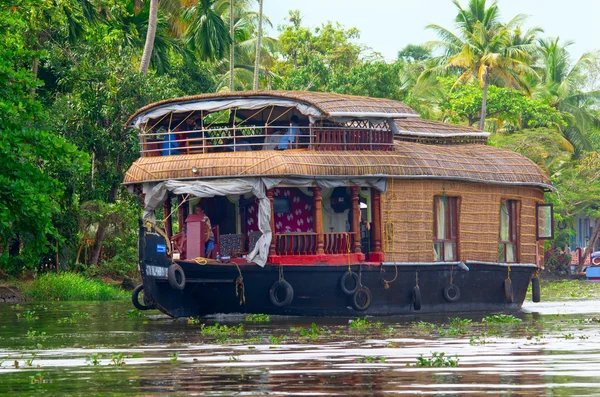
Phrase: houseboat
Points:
(309, 203)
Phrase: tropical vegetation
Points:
(72, 71)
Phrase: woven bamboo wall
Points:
(407, 215)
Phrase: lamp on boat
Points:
(194, 170)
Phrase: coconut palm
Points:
(561, 85)
(258, 45)
(207, 32)
(483, 50)
(232, 47)
(150, 34)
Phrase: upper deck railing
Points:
(252, 138)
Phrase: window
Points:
(507, 250)
(445, 228)
(544, 222)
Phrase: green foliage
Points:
(508, 109)
(221, 332)
(437, 360)
(35, 162)
(363, 323)
(258, 318)
(501, 319)
(71, 286)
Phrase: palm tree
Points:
(207, 32)
(483, 50)
(232, 47)
(561, 84)
(258, 45)
(150, 34)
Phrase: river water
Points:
(104, 348)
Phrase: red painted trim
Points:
(311, 260)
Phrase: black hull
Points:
(211, 289)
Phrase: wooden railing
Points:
(296, 244)
(338, 243)
(262, 138)
(328, 138)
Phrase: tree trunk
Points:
(258, 45)
(97, 248)
(483, 103)
(590, 246)
(231, 46)
(150, 34)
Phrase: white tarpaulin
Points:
(223, 104)
(157, 195)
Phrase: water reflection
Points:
(554, 350)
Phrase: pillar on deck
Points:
(355, 218)
(318, 216)
(167, 217)
(272, 222)
(376, 255)
(180, 214)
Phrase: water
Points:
(553, 351)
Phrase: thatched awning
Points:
(478, 163)
(326, 105)
(430, 128)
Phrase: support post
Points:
(318, 216)
(272, 222)
(168, 219)
(355, 228)
(376, 255)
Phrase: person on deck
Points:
(290, 138)
(170, 144)
(209, 243)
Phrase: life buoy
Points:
(361, 300)
(274, 293)
(452, 293)
(344, 280)
(135, 298)
(508, 290)
(596, 260)
(176, 277)
(535, 290)
(416, 295)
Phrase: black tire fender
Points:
(452, 293)
(508, 290)
(344, 279)
(274, 296)
(416, 297)
(176, 277)
(535, 290)
(135, 298)
(357, 299)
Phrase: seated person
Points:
(170, 144)
(290, 138)
(272, 141)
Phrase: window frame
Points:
(452, 235)
(513, 229)
(537, 221)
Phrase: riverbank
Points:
(65, 286)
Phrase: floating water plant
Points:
(28, 315)
(363, 323)
(221, 331)
(94, 358)
(501, 319)
(117, 359)
(437, 360)
(258, 318)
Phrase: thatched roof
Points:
(479, 163)
(328, 104)
(430, 128)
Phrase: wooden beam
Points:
(355, 228)
(318, 216)
(272, 222)
(376, 220)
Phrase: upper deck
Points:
(280, 120)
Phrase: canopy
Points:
(157, 194)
